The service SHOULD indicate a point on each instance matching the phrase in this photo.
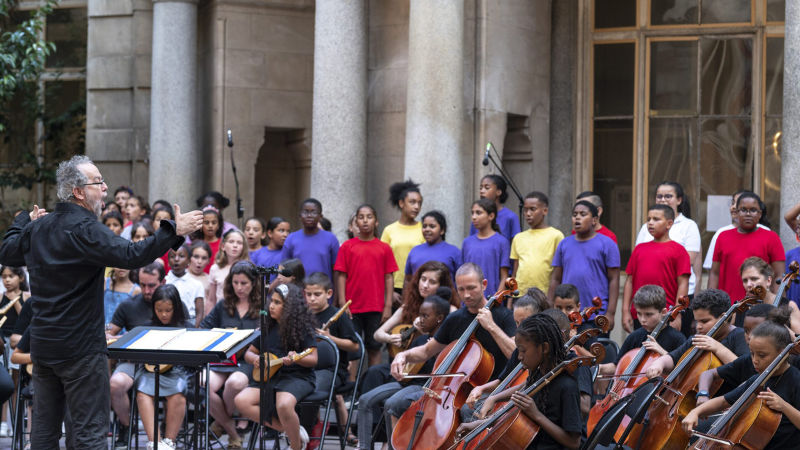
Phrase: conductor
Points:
(66, 252)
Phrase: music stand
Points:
(197, 358)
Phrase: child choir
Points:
(411, 276)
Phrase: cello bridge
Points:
(432, 394)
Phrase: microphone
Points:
(230, 138)
(486, 154)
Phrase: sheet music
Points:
(154, 339)
(193, 340)
(216, 339)
(234, 338)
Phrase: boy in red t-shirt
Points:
(364, 268)
(662, 262)
(744, 241)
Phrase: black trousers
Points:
(82, 386)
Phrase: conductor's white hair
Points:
(69, 176)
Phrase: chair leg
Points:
(251, 444)
(19, 424)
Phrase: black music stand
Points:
(199, 358)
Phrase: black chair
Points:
(633, 406)
(24, 396)
(327, 358)
(351, 387)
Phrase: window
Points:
(49, 117)
(684, 100)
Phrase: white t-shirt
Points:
(684, 231)
(710, 254)
(188, 288)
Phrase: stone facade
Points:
(255, 76)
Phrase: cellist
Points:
(708, 306)
(556, 408)
(782, 393)
(524, 307)
(495, 334)
(650, 302)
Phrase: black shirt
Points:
(66, 253)
(220, 318)
(342, 329)
(787, 386)
(583, 374)
(24, 344)
(275, 346)
(24, 319)
(136, 312)
(457, 322)
(560, 402)
(741, 369)
(669, 339)
(428, 366)
(11, 316)
(734, 342)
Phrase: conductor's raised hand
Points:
(188, 222)
(37, 212)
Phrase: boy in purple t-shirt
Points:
(314, 247)
(588, 260)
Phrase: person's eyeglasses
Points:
(664, 196)
(749, 212)
(96, 183)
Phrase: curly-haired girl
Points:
(291, 331)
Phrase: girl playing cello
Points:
(782, 392)
(556, 408)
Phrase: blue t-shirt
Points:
(447, 254)
(585, 264)
(507, 220)
(490, 255)
(792, 291)
(317, 251)
(267, 258)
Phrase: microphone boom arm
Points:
(510, 181)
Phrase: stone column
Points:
(790, 156)
(174, 153)
(339, 118)
(435, 109)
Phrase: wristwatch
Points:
(701, 394)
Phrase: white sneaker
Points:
(166, 444)
(4, 430)
(303, 438)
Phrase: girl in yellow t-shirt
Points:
(406, 233)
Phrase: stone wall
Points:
(118, 90)
(256, 72)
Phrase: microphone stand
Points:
(509, 180)
(239, 209)
(265, 401)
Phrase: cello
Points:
(748, 423)
(519, 374)
(508, 427)
(630, 370)
(677, 397)
(431, 421)
(790, 277)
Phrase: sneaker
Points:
(4, 430)
(166, 444)
(303, 438)
(122, 438)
